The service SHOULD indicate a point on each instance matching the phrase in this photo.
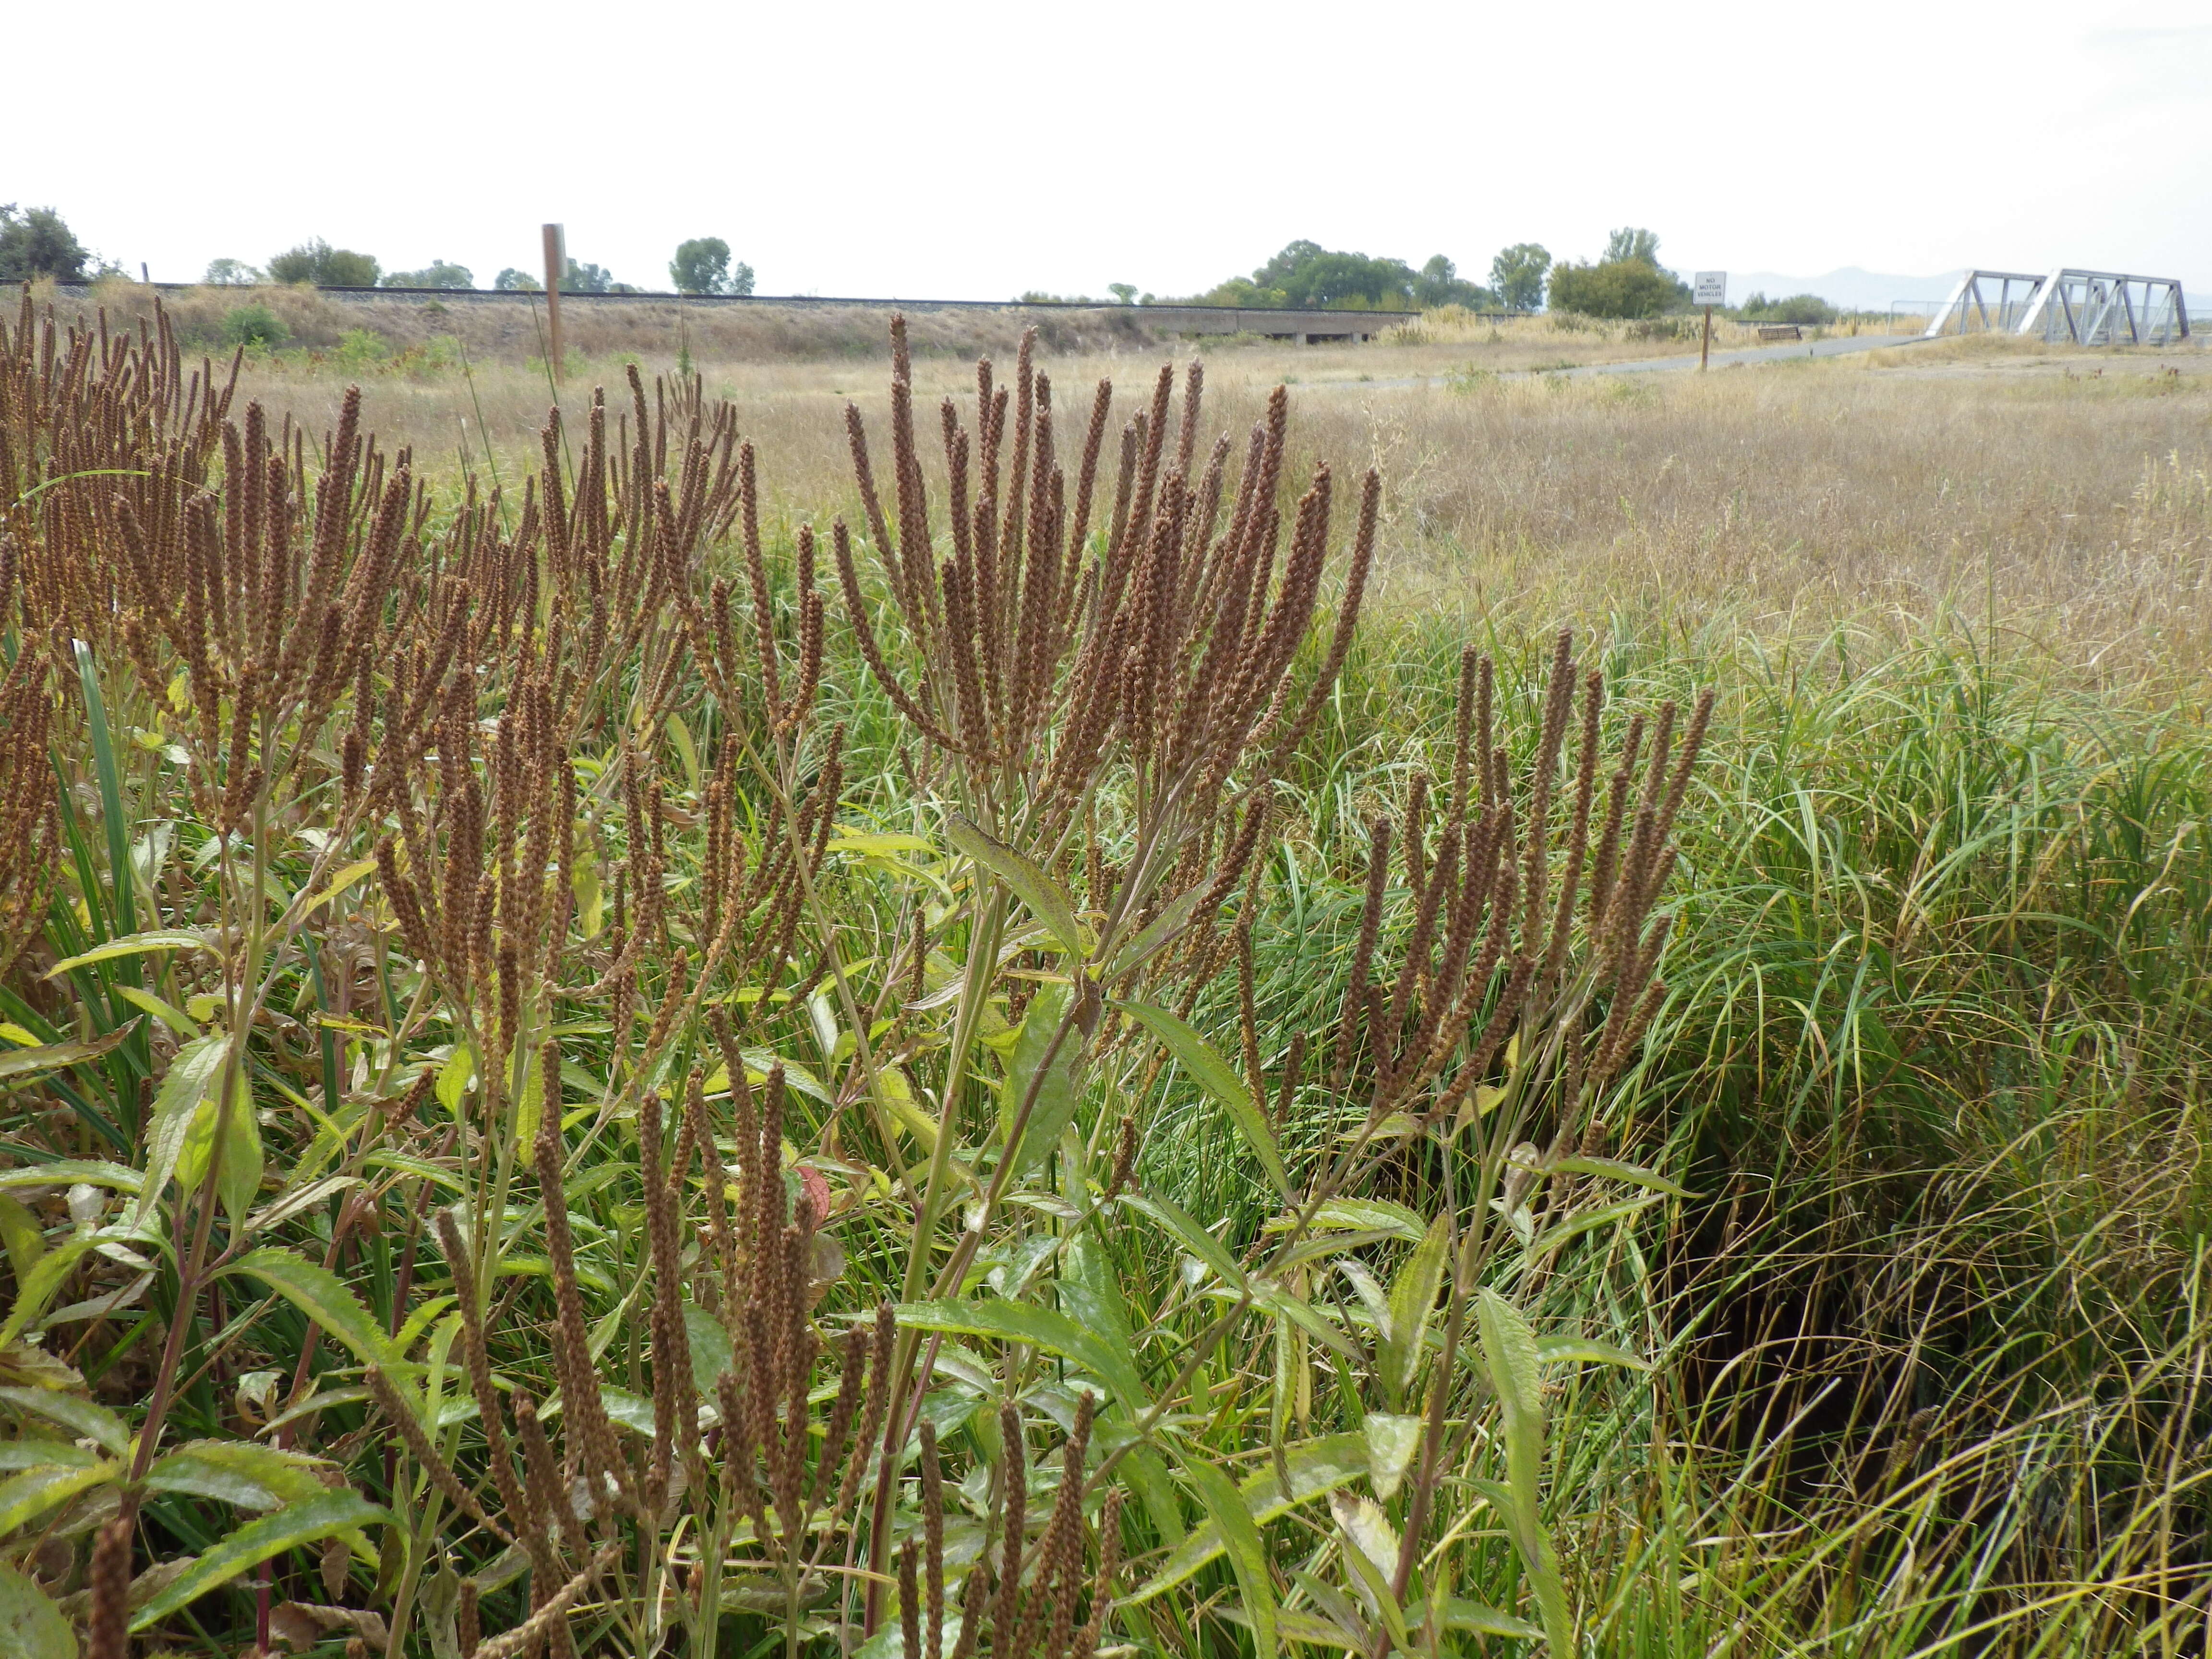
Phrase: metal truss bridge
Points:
(2082, 308)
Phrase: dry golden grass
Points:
(2065, 494)
(2075, 514)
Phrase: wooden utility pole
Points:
(557, 269)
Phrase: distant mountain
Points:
(1851, 287)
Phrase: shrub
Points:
(1616, 288)
(317, 264)
(358, 348)
(254, 326)
(1806, 309)
(439, 273)
(230, 273)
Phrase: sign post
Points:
(556, 268)
(1712, 291)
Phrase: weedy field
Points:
(1510, 1016)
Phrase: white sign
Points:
(1712, 288)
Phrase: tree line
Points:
(1627, 282)
(701, 265)
(37, 243)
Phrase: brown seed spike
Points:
(108, 1635)
(909, 1600)
(933, 1525)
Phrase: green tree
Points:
(36, 242)
(1518, 272)
(588, 278)
(702, 265)
(1440, 284)
(231, 273)
(1308, 276)
(511, 280)
(319, 264)
(1243, 291)
(1629, 242)
(439, 273)
(1616, 288)
(1124, 292)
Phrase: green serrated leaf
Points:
(167, 1012)
(1511, 1356)
(1357, 1215)
(1588, 1222)
(1195, 1238)
(38, 1287)
(25, 1239)
(26, 1496)
(453, 1078)
(1038, 1328)
(1413, 1299)
(759, 1062)
(1218, 1079)
(19, 1455)
(307, 1523)
(1296, 1625)
(132, 944)
(1635, 1174)
(1270, 1296)
(31, 1627)
(1372, 1557)
(1315, 1467)
(20, 1064)
(67, 1171)
(1159, 933)
(1567, 1350)
(80, 1417)
(1248, 1555)
(1046, 901)
(324, 1298)
(1339, 1609)
(239, 1472)
(233, 1140)
(1056, 1095)
(192, 1074)
(1391, 1443)
(711, 1352)
(1454, 1613)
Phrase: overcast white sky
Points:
(975, 148)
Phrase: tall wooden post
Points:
(556, 270)
(1705, 350)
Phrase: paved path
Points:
(1842, 346)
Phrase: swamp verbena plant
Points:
(571, 1095)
